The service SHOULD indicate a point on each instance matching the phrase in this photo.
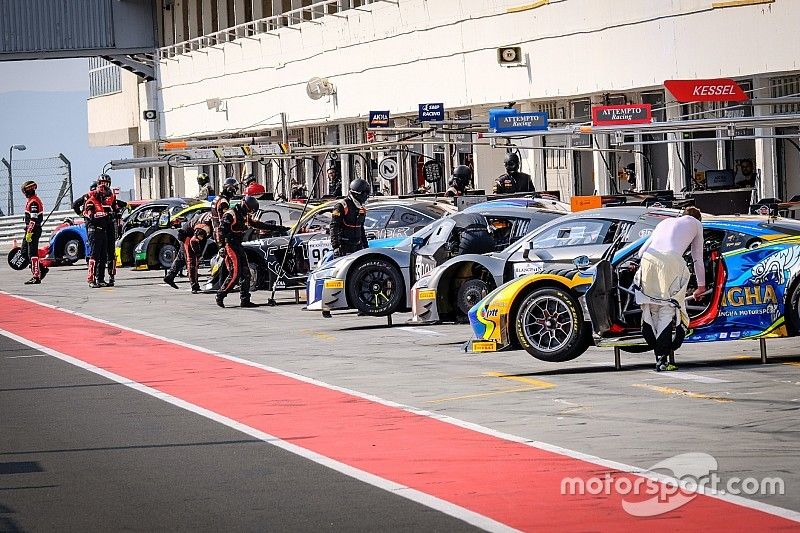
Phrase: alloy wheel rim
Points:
(547, 323)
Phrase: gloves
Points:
(28, 237)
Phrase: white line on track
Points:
(430, 501)
(24, 356)
(420, 331)
(688, 376)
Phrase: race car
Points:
(142, 221)
(277, 262)
(377, 281)
(752, 269)
(449, 291)
(159, 248)
(68, 243)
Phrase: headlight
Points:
(325, 273)
(423, 282)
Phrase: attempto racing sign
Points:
(716, 90)
(612, 115)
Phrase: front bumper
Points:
(325, 294)
(424, 309)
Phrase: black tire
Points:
(73, 250)
(793, 311)
(376, 288)
(165, 255)
(549, 325)
(255, 276)
(469, 293)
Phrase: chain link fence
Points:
(53, 175)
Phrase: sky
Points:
(44, 107)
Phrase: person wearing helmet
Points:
(233, 224)
(113, 208)
(462, 175)
(347, 220)
(206, 189)
(77, 205)
(252, 187)
(230, 187)
(513, 180)
(193, 235)
(34, 216)
(95, 214)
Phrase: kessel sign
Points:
(716, 90)
(378, 119)
(612, 115)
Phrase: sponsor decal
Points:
(334, 284)
(427, 295)
(484, 346)
(378, 119)
(777, 266)
(429, 112)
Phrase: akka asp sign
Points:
(612, 115)
(378, 119)
(716, 90)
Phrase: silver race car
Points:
(449, 291)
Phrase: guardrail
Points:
(287, 19)
(13, 228)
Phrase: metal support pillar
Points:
(617, 358)
(763, 345)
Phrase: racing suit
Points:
(232, 226)
(255, 189)
(193, 235)
(347, 227)
(113, 209)
(218, 207)
(34, 215)
(95, 214)
(455, 189)
(512, 182)
(205, 191)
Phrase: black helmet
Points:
(104, 178)
(28, 188)
(202, 179)
(511, 162)
(231, 186)
(250, 178)
(359, 190)
(462, 174)
(250, 203)
(93, 186)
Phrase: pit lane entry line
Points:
(490, 479)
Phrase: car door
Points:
(376, 221)
(557, 246)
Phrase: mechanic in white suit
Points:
(662, 279)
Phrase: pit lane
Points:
(721, 402)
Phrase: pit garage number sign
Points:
(388, 168)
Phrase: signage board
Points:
(715, 90)
(431, 112)
(521, 122)
(612, 115)
(433, 170)
(378, 119)
(388, 168)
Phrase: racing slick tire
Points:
(166, 254)
(549, 325)
(793, 311)
(469, 293)
(73, 250)
(376, 288)
(255, 276)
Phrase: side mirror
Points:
(581, 262)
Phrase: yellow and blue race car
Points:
(753, 279)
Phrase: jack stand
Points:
(672, 358)
(389, 320)
(297, 296)
(326, 314)
(617, 358)
(271, 302)
(763, 345)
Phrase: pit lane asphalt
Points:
(721, 402)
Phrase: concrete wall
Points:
(114, 119)
(396, 56)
